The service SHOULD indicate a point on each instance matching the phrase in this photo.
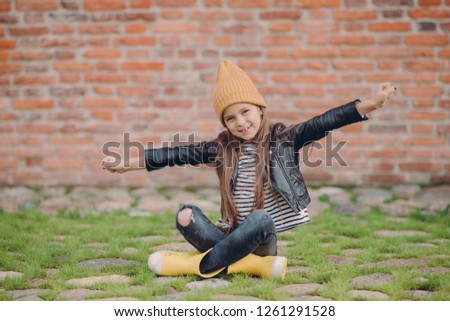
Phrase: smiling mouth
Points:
(245, 130)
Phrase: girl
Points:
(262, 189)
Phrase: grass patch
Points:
(47, 249)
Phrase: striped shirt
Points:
(244, 195)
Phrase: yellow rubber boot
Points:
(265, 266)
(178, 263)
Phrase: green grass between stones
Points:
(36, 244)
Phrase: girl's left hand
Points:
(384, 92)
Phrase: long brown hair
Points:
(227, 158)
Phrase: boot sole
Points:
(279, 266)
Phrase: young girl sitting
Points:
(262, 190)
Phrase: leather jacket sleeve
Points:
(202, 153)
(319, 126)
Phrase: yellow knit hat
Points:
(233, 86)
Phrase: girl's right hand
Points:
(112, 165)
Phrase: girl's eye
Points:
(245, 111)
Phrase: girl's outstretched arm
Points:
(383, 93)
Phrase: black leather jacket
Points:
(284, 157)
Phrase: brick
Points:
(136, 91)
(135, 41)
(173, 103)
(424, 65)
(102, 114)
(280, 41)
(355, 14)
(389, 39)
(103, 103)
(104, 4)
(394, 13)
(388, 64)
(69, 140)
(8, 43)
(420, 166)
(387, 153)
(383, 178)
(69, 78)
(103, 90)
(430, 141)
(37, 4)
(422, 90)
(432, 13)
(37, 128)
(141, 4)
(135, 28)
(388, 52)
(213, 3)
(445, 78)
(444, 103)
(356, 40)
(27, 177)
(354, 26)
(286, 66)
(445, 178)
(313, 28)
(390, 26)
(429, 2)
(271, 15)
(176, 3)
(383, 166)
(151, 65)
(172, 14)
(63, 164)
(425, 115)
(318, 3)
(5, 5)
(423, 102)
(32, 80)
(427, 40)
(425, 78)
(243, 16)
(173, 27)
(129, 115)
(30, 55)
(444, 53)
(28, 31)
(352, 65)
(393, 2)
(209, 15)
(393, 77)
(248, 3)
(33, 103)
(73, 66)
(422, 128)
(280, 26)
(98, 28)
(103, 53)
(105, 65)
(315, 53)
(323, 78)
(106, 78)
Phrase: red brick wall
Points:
(77, 74)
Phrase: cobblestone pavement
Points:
(396, 201)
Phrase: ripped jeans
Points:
(256, 234)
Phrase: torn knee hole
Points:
(184, 216)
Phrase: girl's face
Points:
(243, 120)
